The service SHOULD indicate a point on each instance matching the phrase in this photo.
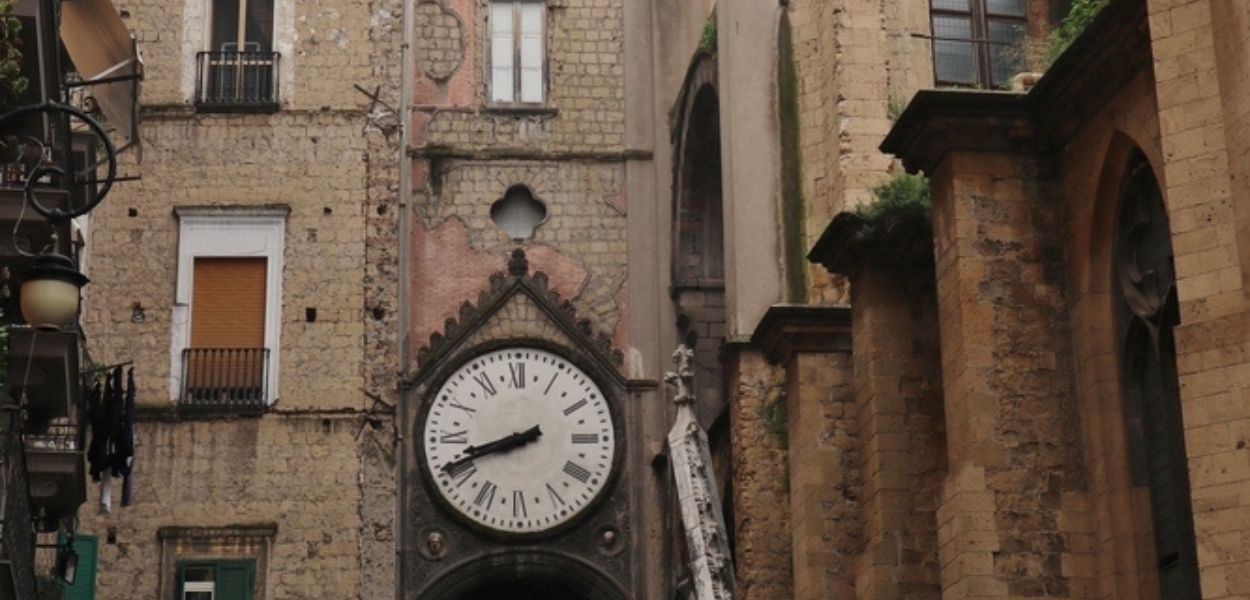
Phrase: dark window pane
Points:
(1007, 50)
(225, 26)
(953, 61)
(259, 26)
(959, 5)
(1014, 8)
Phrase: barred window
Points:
(978, 43)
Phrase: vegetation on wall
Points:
(1080, 15)
(775, 420)
(707, 38)
(12, 82)
(793, 204)
(903, 196)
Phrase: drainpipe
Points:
(406, 75)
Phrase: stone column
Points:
(813, 344)
(1012, 436)
(897, 398)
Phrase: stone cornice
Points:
(849, 243)
(787, 329)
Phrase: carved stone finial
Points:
(683, 377)
(518, 265)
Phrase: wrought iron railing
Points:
(239, 81)
(18, 535)
(225, 379)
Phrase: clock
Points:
(518, 441)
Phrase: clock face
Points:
(519, 440)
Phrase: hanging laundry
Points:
(97, 417)
(126, 445)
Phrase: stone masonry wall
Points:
(568, 152)
(898, 395)
(1015, 492)
(1200, 67)
(825, 485)
(223, 473)
(762, 554)
(320, 463)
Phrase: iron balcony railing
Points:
(237, 81)
(225, 379)
(17, 532)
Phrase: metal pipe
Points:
(406, 76)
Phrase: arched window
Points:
(1146, 315)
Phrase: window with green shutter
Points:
(84, 581)
(216, 579)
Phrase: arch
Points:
(1146, 313)
(551, 575)
(698, 222)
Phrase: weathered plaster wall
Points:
(569, 153)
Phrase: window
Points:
(215, 563)
(227, 309)
(239, 69)
(517, 52)
(216, 579)
(981, 43)
(1146, 317)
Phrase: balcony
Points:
(43, 367)
(224, 380)
(56, 468)
(237, 81)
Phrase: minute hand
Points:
(503, 444)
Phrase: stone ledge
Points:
(849, 243)
(787, 329)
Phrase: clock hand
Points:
(503, 444)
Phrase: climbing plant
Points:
(1079, 16)
(12, 82)
(903, 195)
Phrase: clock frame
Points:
(468, 358)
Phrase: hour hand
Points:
(503, 444)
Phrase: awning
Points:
(107, 59)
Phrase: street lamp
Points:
(50, 289)
(49, 295)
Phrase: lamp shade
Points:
(50, 291)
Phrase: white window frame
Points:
(205, 232)
(515, 36)
(197, 37)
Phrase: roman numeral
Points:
(574, 406)
(550, 383)
(486, 495)
(455, 404)
(483, 380)
(585, 438)
(518, 505)
(455, 437)
(576, 471)
(555, 498)
(462, 472)
(517, 373)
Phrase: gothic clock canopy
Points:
(518, 421)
